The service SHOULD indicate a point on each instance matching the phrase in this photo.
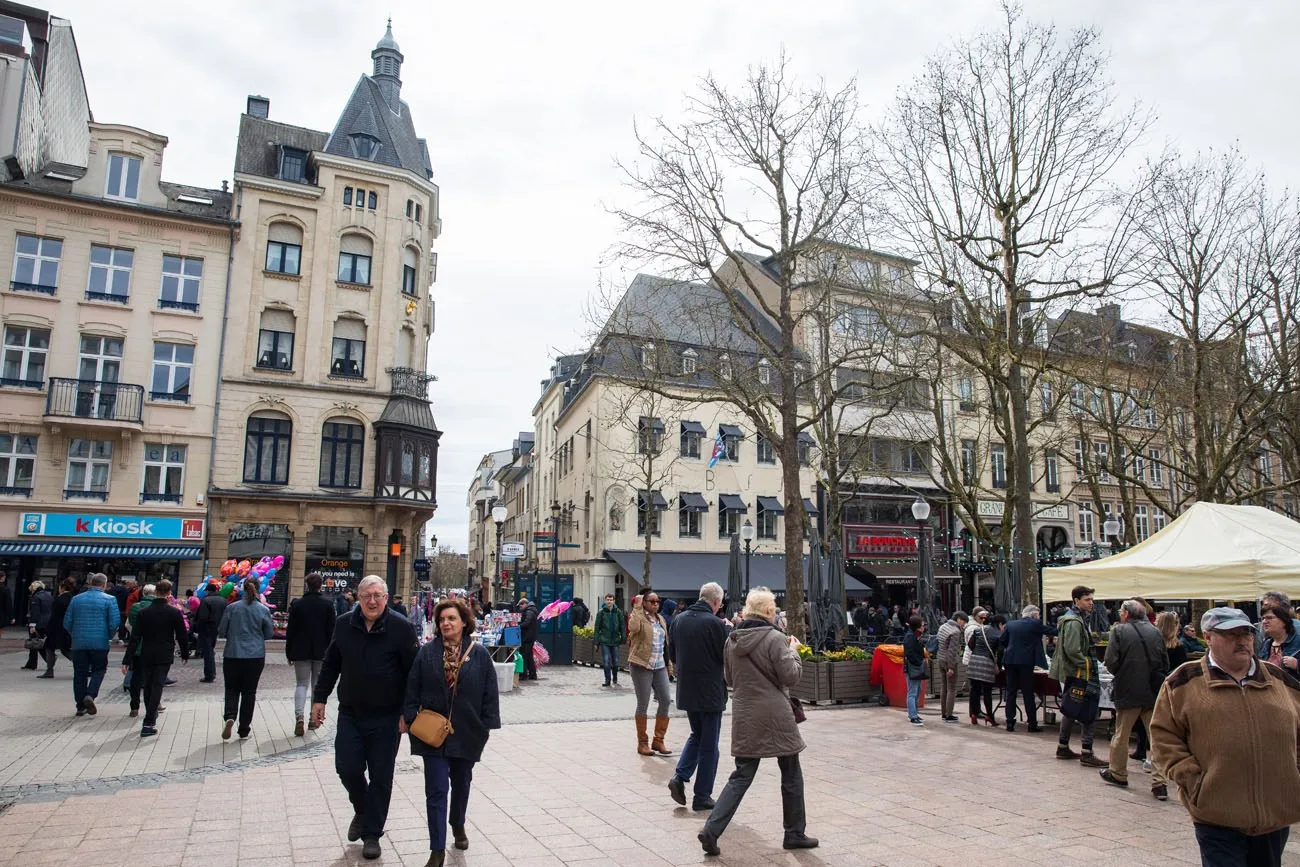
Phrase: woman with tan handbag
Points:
(451, 706)
(647, 660)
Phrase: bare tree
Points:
(996, 161)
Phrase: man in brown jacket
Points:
(1225, 729)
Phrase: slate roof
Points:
(409, 412)
(678, 311)
(366, 112)
(219, 211)
(260, 139)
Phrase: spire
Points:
(388, 68)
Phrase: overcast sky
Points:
(525, 107)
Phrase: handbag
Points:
(432, 727)
(1081, 699)
(34, 642)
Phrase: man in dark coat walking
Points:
(306, 638)
(206, 621)
(159, 629)
(1136, 656)
(528, 637)
(695, 650)
(1022, 643)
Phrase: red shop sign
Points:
(896, 546)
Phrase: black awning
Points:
(730, 430)
(693, 503)
(693, 427)
(731, 503)
(680, 574)
(805, 437)
(771, 505)
(810, 507)
(646, 422)
(653, 498)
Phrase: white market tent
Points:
(1211, 551)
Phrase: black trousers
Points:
(367, 745)
(981, 689)
(1224, 847)
(1020, 679)
(793, 818)
(530, 663)
(136, 686)
(153, 677)
(242, 676)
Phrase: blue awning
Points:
(810, 507)
(693, 502)
(83, 549)
(680, 574)
(653, 499)
(730, 430)
(731, 503)
(693, 427)
(771, 504)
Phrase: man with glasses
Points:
(369, 657)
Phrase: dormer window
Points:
(123, 177)
(364, 146)
(293, 165)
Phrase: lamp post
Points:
(925, 569)
(747, 536)
(499, 515)
(1110, 527)
(555, 526)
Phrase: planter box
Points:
(850, 680)
(815, 684)
(584, 651)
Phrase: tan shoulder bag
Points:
(432, 727)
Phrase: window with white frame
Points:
(968, 462)
(1087, 523)
(1141, 526)
(729, 522)
(965, 394)
(164, 473)
(998, 463)
(1157, 467)
(1101, 454)
(1159, 520)
(1080, 467)
(181, 277)
(1051, 472)
(410, 268)
(763, 445)
(172, 365)
(1046, 399)
(89, 465)
(25, 350)
(123, 177)
(1076, 398)
(764, 372)
(647, 356)
(110, 274)
(1139, 466)
(1152, 417)
(690, 362)
(767, 522)
(1264, 466)
(17, 463)
(724, 367)
(688, 523)
(36, 263)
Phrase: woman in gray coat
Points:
(760, 664)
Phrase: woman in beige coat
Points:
(647, 660)
(761, 664)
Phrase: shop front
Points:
(881, 549)
(338, 554)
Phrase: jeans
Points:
(441, 774)
(792, 806)
(981, 689)
(1020, 679)
(88, 667)
(530, 661)
(153, 677)
(646, 680)
(367, 744)
(609, 661)
(305, 671)
(914, 687)
(1085, 732)
(701, 752)
(242, 676)
(947, 690)
(208, 647)
(1124, 719)
(1224, 847)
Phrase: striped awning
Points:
(83, 549)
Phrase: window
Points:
(348, 352)
(1087, 523)
(100, 359)
(968, 462)
(764, 372)
(341, 451)
(275, 340)
(648, 508)
(731, 437)
(1101, 454)
(419, 212)
(690, 362)
(1051, 472)
(1152, 417)
(266, 449)
(36, 264)
(1076, 398)
(1139, 466)
(17, 463)
(110, 274)
(914, 457)
(692, 433)
(729, 521)
(284, 249)
(180, 283)
(1157, 468)
(364, 146)
(373, 201)
(768, 512)
(805, 449)
(1046, 400)
(965, 394)
(361, 198)
(688, 523)
(347, 196)
(164, 473)
(172, 364)
(410, 208)
(410, 266)
(1159, 519)
(764, 447)
(998, 462)
(647, 356)
(24, 356)
(724, 367)
(1264, 466)
(293, 165)
(649, 435)
(860, 323)
(354, 260)
(1080, 465)
(123, 177)
(89, 463)
(1140, 525)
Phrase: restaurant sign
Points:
(878, 545)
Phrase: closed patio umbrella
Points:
(816, 590)
(733, 577)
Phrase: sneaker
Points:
(1147, 767)
(148, 731)
(709, 842)
(226, 729)
(1034, 729)
(89, 704)
(1160, 792)
(81, 711)
(951, 719)
(677, 789)
(799, 841)
(354, 828)
(1113, 780)
(169, 682)
(370, 848)
(1088, 760)
(917, 721)
(703, 805)
(1063, 751)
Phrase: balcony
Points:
(32, 384)
(15, 491)
(160, 498)
(17, 286)
(110, 297)
(409, 382)
(171, 304)
(113, 404)
(83, 494)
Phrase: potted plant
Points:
(585, 651)
(836, 675)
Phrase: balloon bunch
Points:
(235, 573)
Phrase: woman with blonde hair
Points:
(1167, 623)
(38, 619)
(761, 665)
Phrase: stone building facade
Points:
(327, 447)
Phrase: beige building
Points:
(112, 322)
(484, 493)
(327, 445)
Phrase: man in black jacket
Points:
(528, 637)
(695, 649)
(159, 630)
(206, 621)
(306, 637)
(370, 657)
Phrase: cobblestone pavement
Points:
(560, 784)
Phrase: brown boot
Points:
(661, 729)
(643, 739)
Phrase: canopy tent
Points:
(1211, 551)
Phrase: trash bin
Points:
(505, 676)
(887, 673)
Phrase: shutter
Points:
(359, 244)
(350, 329)
(277, 320)
(285, 233)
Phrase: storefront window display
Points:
(255, 541)
(338, 554)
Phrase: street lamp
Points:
(747, 534)
(925, 569)
(1110, 527)
(555, 525)
(499, 515)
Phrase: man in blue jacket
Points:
(698, 636)
(1022, 652)
(91, 620)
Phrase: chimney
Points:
(1109, 312)
(259, 106)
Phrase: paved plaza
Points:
(560, 784)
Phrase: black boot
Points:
(436, 858)
(458, 832)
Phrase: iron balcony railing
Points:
(19, 286)
(88, 398)
(410, 382)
